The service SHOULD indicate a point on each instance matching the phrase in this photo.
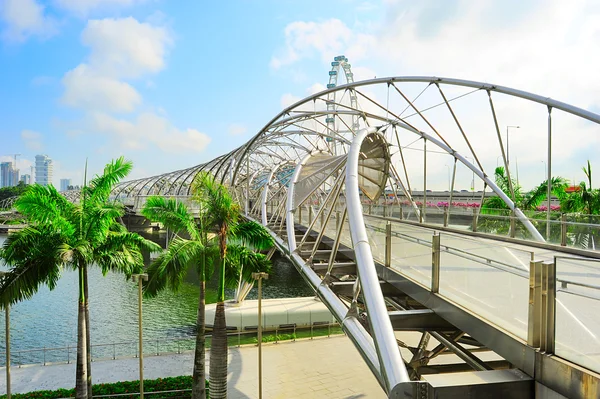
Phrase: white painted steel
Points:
(392, 366)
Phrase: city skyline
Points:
(197, 88)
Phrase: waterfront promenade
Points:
(318, 368)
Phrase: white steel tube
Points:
(392, 366)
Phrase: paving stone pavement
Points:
(318, 368)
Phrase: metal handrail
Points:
(239, 333)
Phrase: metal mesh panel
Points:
(314, 173)
(373, 166)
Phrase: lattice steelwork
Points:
(314, 171)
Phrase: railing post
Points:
(323, 218)
(388, 244)
(44, 356)
(114, 351)
(474, 222)
(300, 214)
(548, 306)
(337, 220)
(310, 214)
(370, 208)
(435, 263)
(68, 355)
(563, 230)
(512, 224)
(446, 216)
(534, 322)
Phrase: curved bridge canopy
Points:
(343, 180)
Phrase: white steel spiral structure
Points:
(311, 172)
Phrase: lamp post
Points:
(7, 315)
(473, 178)
(507, 147)
(260, 277)
(545, 170)
(139, 278)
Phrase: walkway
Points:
(319, 368)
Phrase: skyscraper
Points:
(5, 168)
(8, 175)
(64, 184)
(43, 170)
(26, 179)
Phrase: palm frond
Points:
(170, 268)
(172, 214)
(44, 204)
(31, 266)
(242, 261)
(99, 188)
(253, 235)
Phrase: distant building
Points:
(9, 176)
(43, 170)
(64, 184)
(26, 179)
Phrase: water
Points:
(49, 319)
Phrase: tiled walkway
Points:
(319, 368)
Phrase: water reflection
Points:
(49, 319)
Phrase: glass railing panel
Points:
(411, 248)
(496, 290)
(577, 310)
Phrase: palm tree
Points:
(201, 249)
(586, 201)
(170, 268)
(236, 238)
(74, 236)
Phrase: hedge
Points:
(123, 387)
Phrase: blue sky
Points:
(172, 83)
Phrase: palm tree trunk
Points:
(87, 334)
(81, 373)
(199, 375)
(218, 345)
(218, 355)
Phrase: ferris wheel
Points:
(339, 62)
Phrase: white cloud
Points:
(25, 18)
(89, 90)
(32, 140)
(126, 48)
(149, 129)
(236, 129)
(120, 49)
(288, 99)
(326, 39)
(84, 7)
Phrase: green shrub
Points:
(123, 387)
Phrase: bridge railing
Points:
(492, 279)
(572, 230)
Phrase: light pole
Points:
(473, 178)
(260, 277)
(545, 170)
(139, 278)
(7, 315)
(507, 146)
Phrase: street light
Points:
(545, 170)
(507, 147)
(7, 326)
(260, 277)
(139, 278)
(473, 178)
